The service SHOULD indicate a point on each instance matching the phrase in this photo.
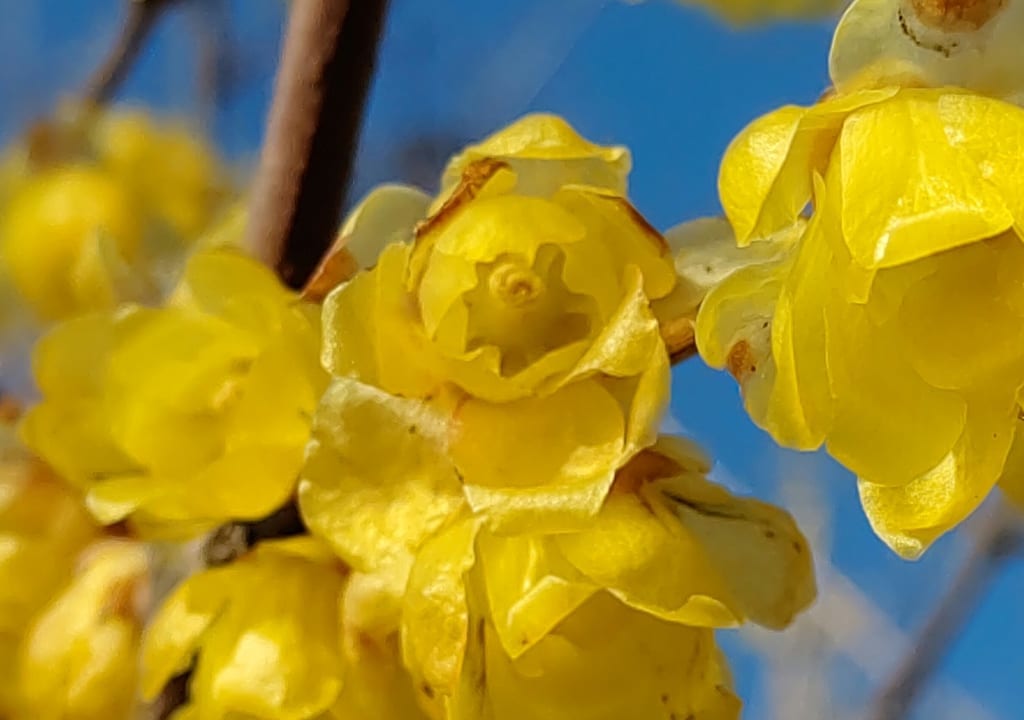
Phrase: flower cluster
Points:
(887, 325)
(486, 457)
(69, 599)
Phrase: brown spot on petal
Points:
(646, 466)
(474, 178)
(741, 361)
(337, 266)
(956, 15)
(656, 238)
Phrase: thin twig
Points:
(999, 537)
(306, 165)
(140, 18)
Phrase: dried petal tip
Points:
(956, 15)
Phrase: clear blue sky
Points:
(672, 84)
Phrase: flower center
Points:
(515, 285)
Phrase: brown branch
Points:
(140, 18)
(306, 165)
(999, 537)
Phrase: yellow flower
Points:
(263, 631)
(967, 43)
(95, 207)
(185, 416)
(267, 639)
(69, 235)
(168, 167)
(43, 528)
(508, 356)
(893, 329)
(609, 622)
(79, 659)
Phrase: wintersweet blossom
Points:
(890, 326)
(185, 416)
(613, 620)
(503, 354)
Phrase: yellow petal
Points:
(79, 658)
(936, 200)
(606, 661)
(377, 481)
(578, 434)
(991, 132)
(435, 613)
(766, 175)
(628, 237)
(370, 332)
(387, 214)
(265, 631)
(546, 153)
(912, 516)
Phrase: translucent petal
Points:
(628, 236)
(885, 42)
(706, 253)
(889, 424)
(546, 153)
(766, 175)
(606, 661)
(435, 615)
(387, 214)
(912, 516)
(578, 436)
(991, 132)
(377, 480)
(957, 326)
(936, 200)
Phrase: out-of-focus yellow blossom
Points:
(967, 43)
(507, 355)
(263, 632)
(611, 621)
(43, 528)
(79, 660)
(169, 168)
(747, 11)
(91, 206)
(267, 639)
(893, 330)
(185, 416)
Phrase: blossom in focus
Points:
(268, 640)
(973, 44)
(79, 660)
(615, 620)
(504, 354)
(43, 528)
(92, 206)
(182, 417)
(890, 326)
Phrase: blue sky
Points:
(671, 83)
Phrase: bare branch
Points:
(999, 537)
(326, 67)
(140, 18)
